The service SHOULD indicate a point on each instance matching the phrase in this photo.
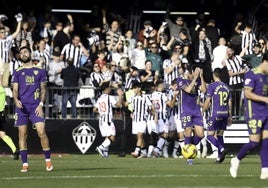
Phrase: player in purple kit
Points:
(256, 110)
(219, 102)
(191, 115)
(29, 90)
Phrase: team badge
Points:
(84, 136)
(35, 72)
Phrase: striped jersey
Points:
(159, 100)
(235, 65)
(5, 46)
(105, 104)
(141, 106)
(74, 52)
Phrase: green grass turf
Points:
(93, 171)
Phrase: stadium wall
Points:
(83, 136)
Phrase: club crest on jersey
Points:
(84, 136)
(36, 72)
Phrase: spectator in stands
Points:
(253, 60)
(213, 33)
(147, 32)
(75, 50)
(153, 55)
(55, 67)
(5, 46)
(41, 55)
(248, 36)
(263, 43)
(24, 34)
(63, 36)
(148, 77)
(70, 91)
(202, 54)
(101, 60)
(131, 77)
(219, 54)
(175, 28)
(236, 70)
(138, 56)
(112, 32)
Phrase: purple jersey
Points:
(220, 95)
(189, 108)
(29, 80)
(259, 83)
(188, 101)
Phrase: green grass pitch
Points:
(79, 171)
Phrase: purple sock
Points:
(196, 140)
(264, 153)
(23, 155)
(246, 148)
(187, 140)
(220, 139)
(215, 142)
(47, 154)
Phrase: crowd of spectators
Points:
(104, 51)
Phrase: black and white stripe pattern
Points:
(141, 106)
(172, 75)
(235, 65)
(5, 46)
(105, 109)
(248, 39)
(74, 52)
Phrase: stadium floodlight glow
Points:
(172, 13)
(154, 12)
(71, 10)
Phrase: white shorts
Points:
(172, 123)
(163, 126)
(178, 124)
(152, 127)
(138, 127)
(106, 129)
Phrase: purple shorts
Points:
(215, 123)
(189, 119)
(26, 114)
(257, 123)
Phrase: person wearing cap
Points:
(104, 107)
(147, 32)
(253, 60)
(29, 84)
(5, 46)
(55, 67)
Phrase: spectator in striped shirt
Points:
(248, 36)
(5, 47)
(236, 70)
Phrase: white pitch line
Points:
(116, 176)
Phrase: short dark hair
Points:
(217, 72)
(25, 47)
(136, 84)
(105, 85)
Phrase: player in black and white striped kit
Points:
(141, 104)
(104, 106)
